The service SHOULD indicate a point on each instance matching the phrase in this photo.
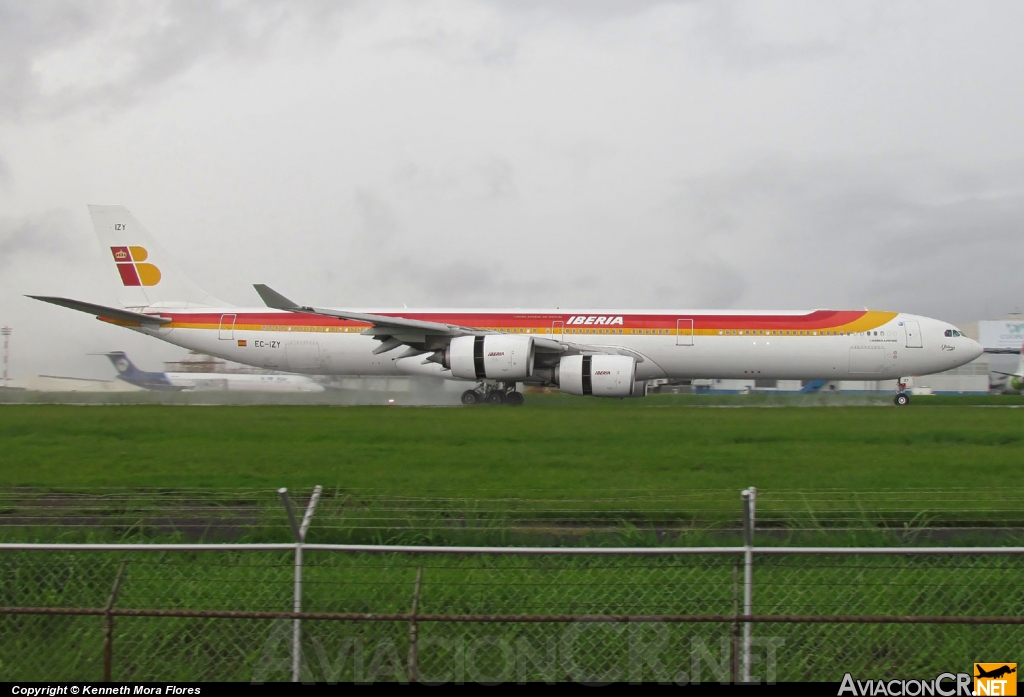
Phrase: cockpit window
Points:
(953, 332)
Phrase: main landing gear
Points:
(496, 393)
(902, 399)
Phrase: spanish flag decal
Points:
(242, 342)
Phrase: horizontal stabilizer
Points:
(102, 311)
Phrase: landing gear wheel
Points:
(470, 398)
(514, 399)
(496, 397)
(902, 399)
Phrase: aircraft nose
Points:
(975, 349)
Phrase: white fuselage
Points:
(243, 382)
(830, 345)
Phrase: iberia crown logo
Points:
(131, 267)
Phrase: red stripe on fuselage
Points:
(820, 319)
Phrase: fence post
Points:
(749, 496)
(299, 532)
(414, 648)
(108, 625)
(734, 653)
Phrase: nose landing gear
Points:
(902, 399)
(493, 393)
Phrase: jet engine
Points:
(495, 357)
(600, 376)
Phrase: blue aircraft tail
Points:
(127, 371)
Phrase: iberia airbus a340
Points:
(598, 352)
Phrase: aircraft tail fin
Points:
(144, 274)
(127, 371)
(123, 365)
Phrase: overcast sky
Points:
(582, 153)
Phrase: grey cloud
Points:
(5, 173)
(708, 282)
(717, 31)
(488, 177)
(145, 45)
(497, 177)
(498, 49)
(724, 35)
(170, 39)
(28, 30)
(588, 11)
(465, 284)
(889, 233)
(583, 155)
(43, 236)
(378, 219)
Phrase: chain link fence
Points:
(224, 613)
(345, 612)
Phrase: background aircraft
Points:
(232, 382)
(1016, 379)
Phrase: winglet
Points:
(273, 299)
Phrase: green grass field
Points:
(553, 449)
(579, 465)
(565, 471)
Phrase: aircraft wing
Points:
(103, 312)
(277, 301)
(421, 336)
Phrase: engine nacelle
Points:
(495, 357)
(600, 376)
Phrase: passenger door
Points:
(913, 334)
(684, 332)
(227, 327)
